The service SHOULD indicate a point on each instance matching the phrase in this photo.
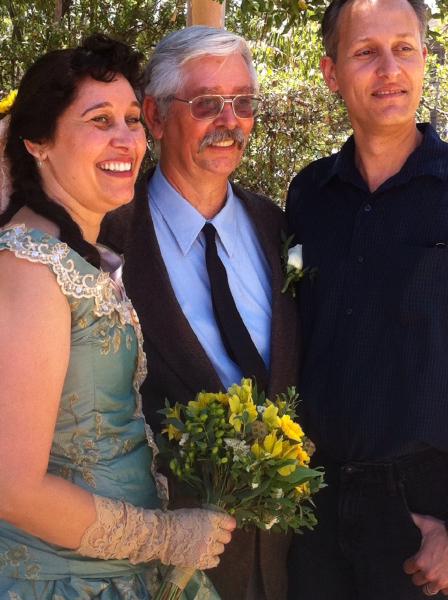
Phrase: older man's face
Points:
(380, 63)
(187, 144)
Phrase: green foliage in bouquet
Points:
(245, 454)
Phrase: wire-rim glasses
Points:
(209, 106)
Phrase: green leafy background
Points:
(299, 121)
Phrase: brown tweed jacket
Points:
(179, 367)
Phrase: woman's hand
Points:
(196, 537)
(192, 538)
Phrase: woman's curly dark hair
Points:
(47, 89)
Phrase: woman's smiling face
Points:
(93, 161)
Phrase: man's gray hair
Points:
(163, 76)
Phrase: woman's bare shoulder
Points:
(31, 220)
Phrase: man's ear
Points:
(153, 118)
(36, 149)
(328, 68)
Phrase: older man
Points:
(373, 219)
(188, 227)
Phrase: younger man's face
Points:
(380, 63)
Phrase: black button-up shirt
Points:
(375, 318)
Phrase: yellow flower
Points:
(286, 470)
(303, 489)
(272, 447)
(289, 451)
(256, 449)
(243, 391)
(302, 456)
(293, 452)
(235, 405)
(208, 397)
(291, 429)
(202, 401)
(237, 408)
(297, 452)
(222, 398)
(271, 418)
(171, 430)
(7, 102)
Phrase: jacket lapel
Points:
(284, 333)
(163, 323)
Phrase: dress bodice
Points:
(101, 441)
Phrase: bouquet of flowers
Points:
(244, 454)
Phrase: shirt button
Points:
(368, 207)
(360, 259)
(349, 311)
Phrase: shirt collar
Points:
(225, 222)
(429, 158)
(184, 221)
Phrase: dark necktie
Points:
(236, 338)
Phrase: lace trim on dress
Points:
(72, 283)
(139, 377)
(101, 288)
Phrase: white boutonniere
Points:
(293, 265)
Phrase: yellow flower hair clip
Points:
(7, 102)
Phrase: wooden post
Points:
(206, 12)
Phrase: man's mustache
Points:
(219, 135)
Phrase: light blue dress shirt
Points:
(178, 228)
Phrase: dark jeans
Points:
(365, 530)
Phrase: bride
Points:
(80, 498)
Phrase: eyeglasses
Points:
(209, 107)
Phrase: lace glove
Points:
(184, 538)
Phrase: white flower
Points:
(295, 257)
(254, 485)
(239, 447)
(261, 409)
(184, 439)
(271, 523)
(277, 493)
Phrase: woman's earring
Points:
(40, 160)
